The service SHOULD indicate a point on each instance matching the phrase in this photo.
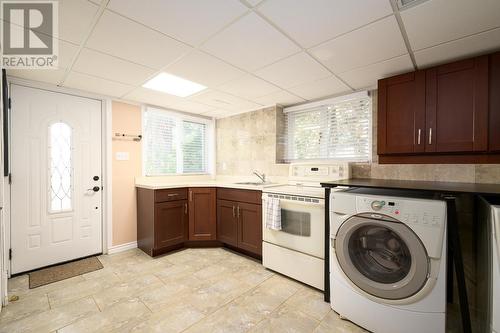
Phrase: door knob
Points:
(96, 178)
(95, 189)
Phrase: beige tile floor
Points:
(194, 290)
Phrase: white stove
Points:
(297, 250)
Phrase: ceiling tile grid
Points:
(439, 21)
(314, 21)
(370, 44)
(190, 21)
(111, 68)
(292, 71)
(249, 87)
(253, 53)
(123, 38)
(250, 43)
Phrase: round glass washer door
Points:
(382, 256)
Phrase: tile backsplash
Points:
(252, 141)
(247, 142)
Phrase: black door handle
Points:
(96, 188)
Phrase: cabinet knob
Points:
(418, 136)
(430, 136)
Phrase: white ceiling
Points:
(254, 53)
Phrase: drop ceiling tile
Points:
(52, 76)
(205, 69)
(321, 88)
(250, 43)
(152, 97)
(189, 21)
(224, 101)
(253, 3)
(121, 37)
(66, 53)
(373, 43)
(193, 107)
(313, 22)
(249, 87)
(218, 113)
(366, 77)
(280, 97)
(292, 71)
(460, 48)
(440, 21)
(96, 85)
(75, 19)
(111, 68)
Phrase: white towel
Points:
(273, 214)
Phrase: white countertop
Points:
(158, 183)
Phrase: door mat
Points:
(64, 271)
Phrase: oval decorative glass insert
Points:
(60, 147)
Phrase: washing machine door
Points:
(382, 256)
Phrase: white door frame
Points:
(106, 114)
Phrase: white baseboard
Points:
(122, 247)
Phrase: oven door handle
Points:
(297, 202)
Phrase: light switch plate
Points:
(122, 156)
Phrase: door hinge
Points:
(10, 103)
(10, 254)
(10, 178)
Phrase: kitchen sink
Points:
(253, 183)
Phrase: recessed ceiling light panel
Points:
(173, 85)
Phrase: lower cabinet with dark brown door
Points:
(202, 214)
(162, 219)
(227, 222)
(239, 219)
(169, 219)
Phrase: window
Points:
(336, 129)
(60, 167)
(175, 143)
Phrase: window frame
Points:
(50, 210)
(180, 117)
(324, 103)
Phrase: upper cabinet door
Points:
(494, 140)
(457, 106)
(401, 114)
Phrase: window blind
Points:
(173, 145)
(193, 147)
(337, 129)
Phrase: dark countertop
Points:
(413, 185)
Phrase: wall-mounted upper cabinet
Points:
(494, 119)
(401, 114)
(457, 107)
(445, 114)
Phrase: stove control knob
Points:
(377, 205)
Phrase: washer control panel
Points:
(401, 209)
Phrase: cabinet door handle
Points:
(238, 210)
(234, 212)
(172, 194)
(185, 208)
(430, 136)
(418, 136)
(190, 195)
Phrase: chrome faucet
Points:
(261, 176)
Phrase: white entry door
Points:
(56, 178)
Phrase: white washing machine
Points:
(388, 261)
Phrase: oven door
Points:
(302, 223)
